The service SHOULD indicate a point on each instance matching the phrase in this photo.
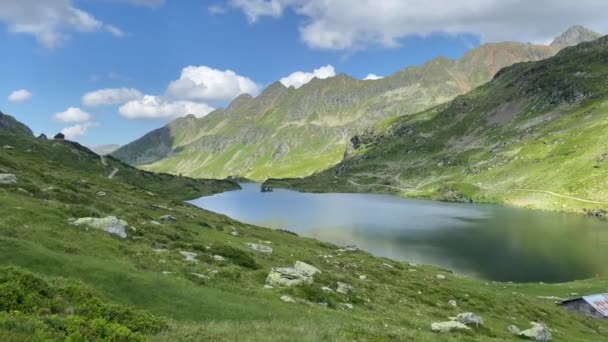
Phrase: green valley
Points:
(179, 273)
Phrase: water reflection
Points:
(487, 241)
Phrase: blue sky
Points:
(138, 51)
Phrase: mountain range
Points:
(535, 136)
(288, 132)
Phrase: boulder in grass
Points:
(8, 178)
(258, 247)
(168, 219)
(110, 224)
(288, 276)
(302, 266)
(538, 332)
(446, 327)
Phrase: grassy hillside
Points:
(534, 137)
(296, 132)
(59, 281)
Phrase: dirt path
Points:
(550, 193)
(113, 173)
(493, 189)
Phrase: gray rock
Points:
(538, 332)
(218, 258)
(110, 224)
(8, 178)
(168, 219)
(446, 327)
(189, 256)
(344, 288)
(302, 266)
(288, 276)
(287, 299)
(351, 248)
(234, 233)
(348, 306)
(453, 303)
(8, 147)
(469, 318)
(513, 330)
(362, 277)
(258, 247)
(100, 193)
(440, 277)
(327, 289)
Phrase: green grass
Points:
(129, 276)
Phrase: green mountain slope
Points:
(59, 281)
(295, 132)
(8, 124)
(536, 136)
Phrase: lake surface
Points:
(484, 241)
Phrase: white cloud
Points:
(110, 96)
(216, 9)
(300, 78)
(373, 77)
(77, 130)
(155, 107)
(72, 114)
(202, 83)
(115, 31)
(21, 95)
(356, 24)
(50, 21)
(254, 9)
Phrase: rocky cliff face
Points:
(575, 35)
(295, 132)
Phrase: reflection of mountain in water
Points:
(488, 241)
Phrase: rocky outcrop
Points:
(259, 247)
(538, 332)
(168, 219)
(302, 266)
(288, 276)
(110, 224)
(8, 178)
(469, 318)
(446, 327)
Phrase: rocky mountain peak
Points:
(575, 35)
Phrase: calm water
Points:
(486, 241)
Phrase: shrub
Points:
(237, 256)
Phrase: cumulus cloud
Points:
(155, 107)
(50, 21)
(77, 130)
(300, 78)
(202, 83)
(356, 24)
(110, 96)
(21, 95)
(72, 114)
(372, 77)
(254, 9)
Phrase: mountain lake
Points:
(486, 241)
